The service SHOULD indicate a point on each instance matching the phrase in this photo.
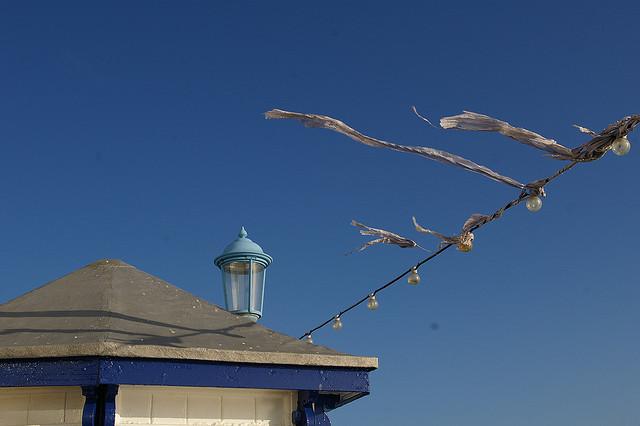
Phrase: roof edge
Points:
(194, 354)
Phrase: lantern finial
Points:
(242, 233)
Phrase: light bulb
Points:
(372, 303)
(621, 146)
(465, 247)
(534, 203)
(309, 339)
(337, 323)
(414, 278)
(466, 242)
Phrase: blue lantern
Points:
(243, 264)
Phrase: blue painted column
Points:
(315, 416)
(311, 409)
(109, 404)
(99, 405)
(90, 410)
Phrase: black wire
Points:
(524, 194)
(378, 290)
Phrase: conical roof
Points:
(240, 247)
(242, 244)
(110, 308)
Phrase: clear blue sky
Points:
(134, 130)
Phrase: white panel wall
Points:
(164, 406)
(41, 406)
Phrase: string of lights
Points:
(533, 203)
(613, 138)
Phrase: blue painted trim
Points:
(231, 375)
(91, 371)
(50, 372)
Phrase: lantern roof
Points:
(243, 247)
(110, 308)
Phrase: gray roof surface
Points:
(110, 308)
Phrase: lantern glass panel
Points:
(257, 287)
(237, 280)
